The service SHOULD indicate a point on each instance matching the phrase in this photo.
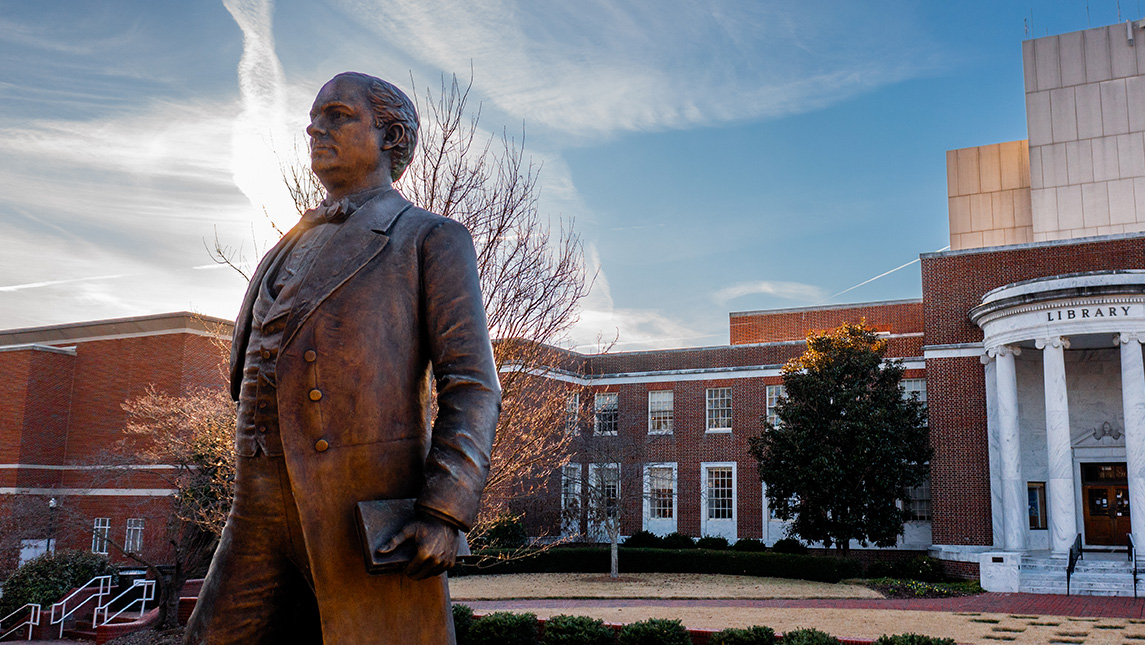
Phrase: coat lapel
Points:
(357, 241)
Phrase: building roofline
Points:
(1033, 245)
(132, 326)
(854, 305)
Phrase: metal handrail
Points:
(1133, 558)
(32, 620)
(104, 589)
(148, 594)
(1075, 554)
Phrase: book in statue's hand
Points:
(381, 519)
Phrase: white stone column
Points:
(993, 442)
(1015, 501)
(1133, 409)
(1060, 486)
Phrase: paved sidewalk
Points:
(995, 603)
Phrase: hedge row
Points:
(596, 560)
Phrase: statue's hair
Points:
(391, 105)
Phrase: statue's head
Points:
(355, 118)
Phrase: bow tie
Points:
(335, 213)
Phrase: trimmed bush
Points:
(643, 540)
(655, 631)
(757, 635)
(749, 545)
(912, 639)
(506, 532)
(809, 637)
(678, 541)
(504, 628)
(462, 622)
(715, 543)
(789, 545)
(923, 569)
(47, 578)
(821, 568)
(577, 630)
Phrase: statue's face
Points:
(345, 147)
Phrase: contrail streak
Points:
(870, 280)
(52, 283)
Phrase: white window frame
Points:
(712, 395)
(595, 529)
(773, 394)
(719, 527)
(100, 529)
(598, 407)
(572, 413)
(666, 425)
(661, 526)
(918, 385)
(572, 491)
(133, 540)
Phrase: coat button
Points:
(262, 429)
(266, 353)
(321, 445)
(315, 394)
(309, 355)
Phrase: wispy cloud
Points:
(599, 67)
(788, 290)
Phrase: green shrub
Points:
(757, 635)
(504, 628)
(715, 543)
(47, 578)
(880, 569)
(678, 541)
(912, 639)
(462, 622)
(749, 545)
(809, 637)
(643, 540)
(789, 545)
(821, 568)
(577, 630)
(506, 532)
(655, 631)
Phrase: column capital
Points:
(1052, 341)
(1126, 337)
(994, 351)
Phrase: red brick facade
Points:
(63, 389)
(900, 316)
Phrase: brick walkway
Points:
(994, 603)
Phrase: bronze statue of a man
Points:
(344, 323)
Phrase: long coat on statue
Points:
(391, 300)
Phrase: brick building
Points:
(62, 389)
(1026, 344)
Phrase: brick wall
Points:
(899, 317)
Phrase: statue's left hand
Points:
(436, 542)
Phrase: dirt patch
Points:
(646, 585)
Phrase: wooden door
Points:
(1106, 514)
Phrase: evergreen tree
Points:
(847, 445)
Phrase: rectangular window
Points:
(719, 409)
(1037, 495)
(660, 412)
(570, 499)
(774, 394)
(99, 532)
(918, 502)
(133, 543)
(720, 493)
(661, 492)
(606, 412)
(572, 413)
(915, 386)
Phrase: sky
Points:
(714, 156)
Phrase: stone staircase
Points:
(1096, 574)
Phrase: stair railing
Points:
(102, 587)
(1133, 559)
(1075, 554)
(31, 621)
(147, 594)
